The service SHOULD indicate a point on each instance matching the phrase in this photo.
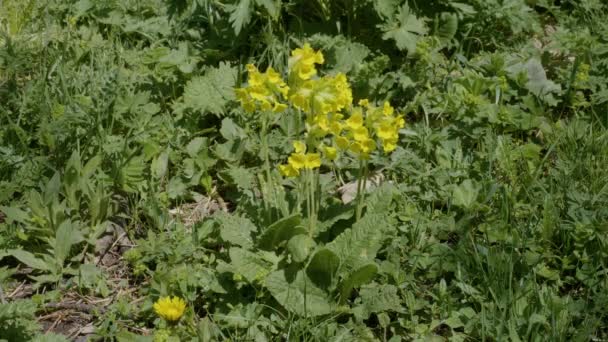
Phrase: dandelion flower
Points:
(170, 308)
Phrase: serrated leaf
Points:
(386, 8)
(323, 267)
(240, 16)
(298, 294)
(210, 93)
(404, 29)
(236, 229)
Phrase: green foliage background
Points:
(492, 223)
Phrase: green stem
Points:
(361, 184)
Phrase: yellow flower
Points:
(299, 146)
(288, 170)
(279, 107)
(389, 144)
(388, 110)
(302, 61)
(360, 133)
(331, 153)
(312, 160)
(297, 160)
(364, 103)
(171, 309)
(386, 130)
(356, 119)
(342, 143)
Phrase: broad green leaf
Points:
(282, 230)
(356, 278)
(299, 247)
(15, 214)
(298, 294)
(231, 131)
(357, 246)
(159, 165)
(66, 236)
(236, 229)
(30, 260)
(212, 92)
(323, 267)
(465, 194)
(404, 29)
(253, 266)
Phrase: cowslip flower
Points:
(302, 61)
(170, 308)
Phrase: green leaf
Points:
(240, 16)
(231, 131)
(15, 214)
(465, 194)
(282, 230)
(298, 294)
(323, 267)
(378, 298)
(361, 276)
(65, 237)
(299, 247)
(212, 92)
(236, 229)
(404, 29)
(30, 260)
(358, 245)
(448, 26)
(159, 165)
(273, 7)
(253, 266)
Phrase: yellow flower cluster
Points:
(170, 308)
(325, 101)
(299, 160)
(302, 62)
(264, 91)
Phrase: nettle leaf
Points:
(298, 293)
(211, 92)
(405, 29)
(241, 15)
(236, 229)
